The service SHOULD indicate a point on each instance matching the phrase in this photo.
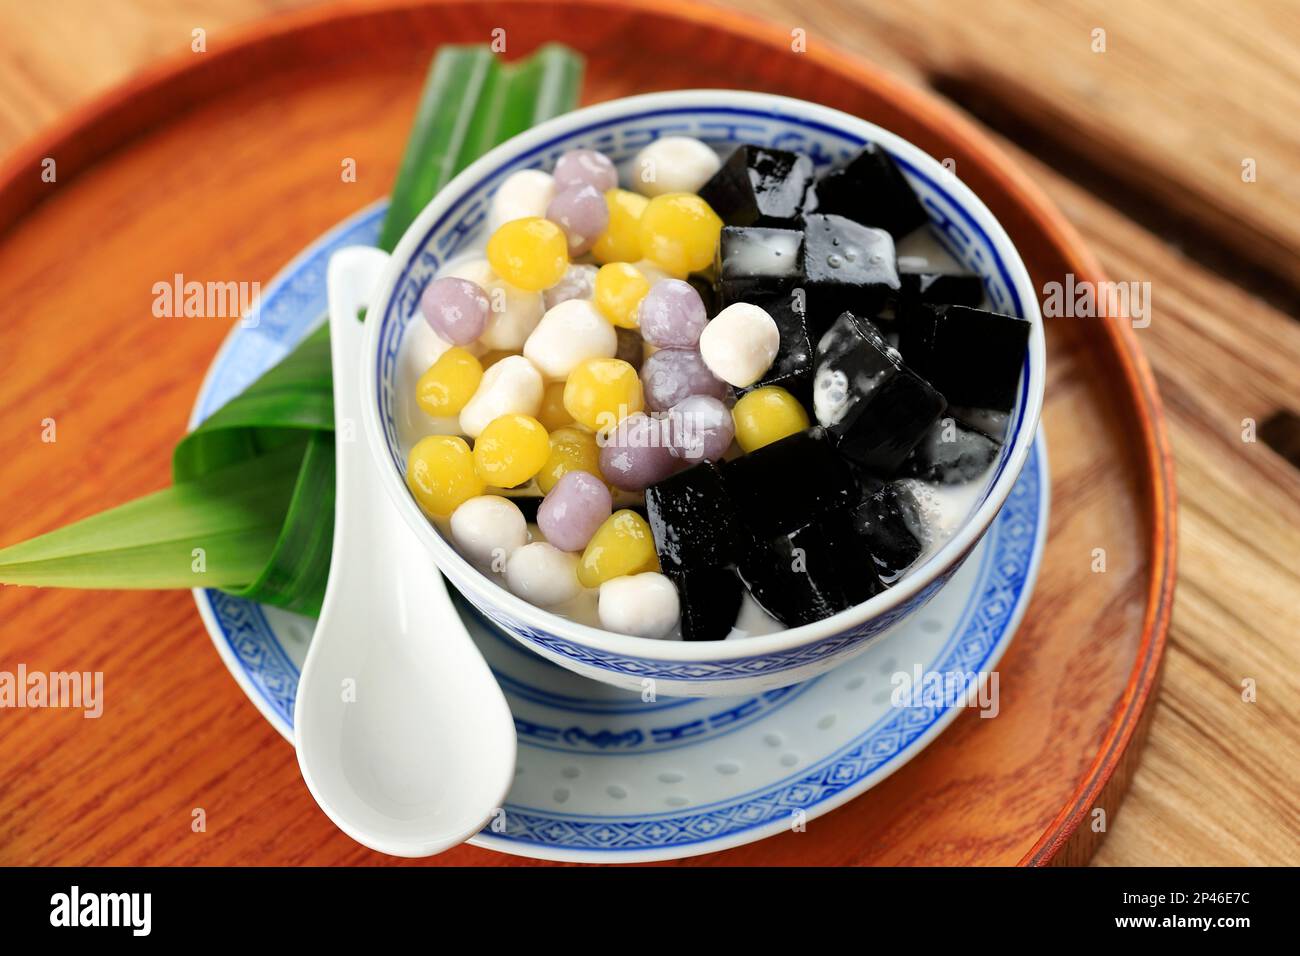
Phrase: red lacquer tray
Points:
(227, 163)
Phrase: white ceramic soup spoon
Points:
(403, 736)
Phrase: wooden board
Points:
(221, 167)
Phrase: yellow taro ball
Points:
(623, 544)
(440, 473)
(619, 289)
(530, 254)
(553, 415)
(620, 242)
(449, 383)
(510, 450)
(679, 233)
(601, 392)
(572, 449)
(766, 415)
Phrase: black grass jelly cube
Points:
(757, 261)
(934, 288)
(889, 521)
(838, 560)
(757, 186)
(787, 484)
(876, 408)
(693, 519)
(846, 267)
(708, 291)
(710, 601)
(815, 571)
(788, 595)
(986, 421)
(870, 189)
(974, 357)
(951, 454)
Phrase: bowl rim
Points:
(468, 578)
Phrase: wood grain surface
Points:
(1140, 148)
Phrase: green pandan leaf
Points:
(518, 97)
(446, 114)
(294, 575)
(472, 102)
(289, 402)
(214, 531)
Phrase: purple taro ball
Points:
(701, 429)
(637, 453)
(585, 167)
(671, 375)
(456, 309)
(672, 315)
(582, 213)
(577, 505)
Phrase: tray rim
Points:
(99, 126)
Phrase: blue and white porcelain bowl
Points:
(454, 222)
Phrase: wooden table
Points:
(1143, 144)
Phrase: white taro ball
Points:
(488, 529)
(512, 386)
(542, 574)
(522, 195)
(673, 164)
(568, 335)
(740, 344)
(642, 605)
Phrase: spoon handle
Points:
(352, 277)
(353, 274)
